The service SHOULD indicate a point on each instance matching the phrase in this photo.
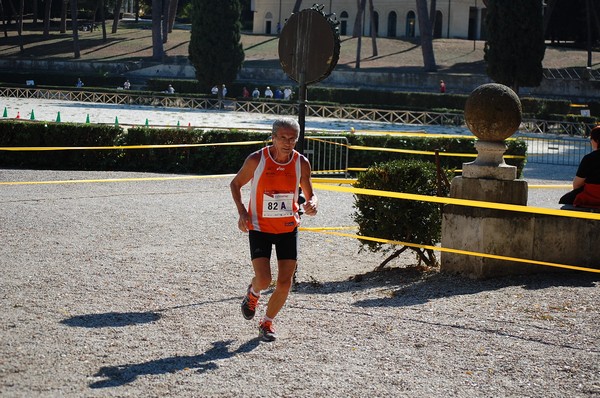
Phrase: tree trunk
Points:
(548, 14)
(47, 16)
(157, 44)
(137, 10)
(426, 37)
(34, 11)
(360, 5)
(14, 12)
(357, 29)
(103, 20)
(3, 19)
(165, 20)
(172, 14)
(297, 6)
(76, 52)
(373, 28)
(432, 14)
(63, 16)
(117, 13)
(20, 26)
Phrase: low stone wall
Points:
(575, 90)
(548, 238)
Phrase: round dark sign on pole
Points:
(309, 45)
(309, 49)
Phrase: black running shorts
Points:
(286, 244)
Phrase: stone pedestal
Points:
(490, 162)
(483, 230)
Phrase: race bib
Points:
(278, 205)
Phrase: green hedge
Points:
(362, 159)
(212, 159)
(36, 134)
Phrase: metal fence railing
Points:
(572, 73)
(548, 141)
(327, 155)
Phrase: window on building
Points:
(410, 24)
(392, 22)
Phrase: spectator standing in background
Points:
(442, 87)
(268, 92)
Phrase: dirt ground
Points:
(129, 285)
(133, 42)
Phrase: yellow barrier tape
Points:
(316, 229)
(456, 251)
(412, 151)
(334, 180)
(461, 202)
(114, 180)
(561, 186)
(67, 148)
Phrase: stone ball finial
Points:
(493, 112)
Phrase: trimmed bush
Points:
(398, 219)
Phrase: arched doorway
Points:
(268, 23)
(392, 22)
(437, 28)
(375, 23)
(344, 23)
(410, 24)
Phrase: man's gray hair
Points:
(285, 123)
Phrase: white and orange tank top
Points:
(274, 194)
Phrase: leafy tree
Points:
(515, 47)
(215, 49)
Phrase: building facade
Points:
(457, 19)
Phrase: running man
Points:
(272, 218)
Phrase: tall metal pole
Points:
(301, 111)
(588, 11)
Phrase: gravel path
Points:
(132, 288)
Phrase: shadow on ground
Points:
(412, 286)
(119, 375)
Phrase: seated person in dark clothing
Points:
(586, 184)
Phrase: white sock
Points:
(253, 292)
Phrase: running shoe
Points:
(266, 331)
(249, 304)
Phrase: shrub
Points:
(398, 219)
